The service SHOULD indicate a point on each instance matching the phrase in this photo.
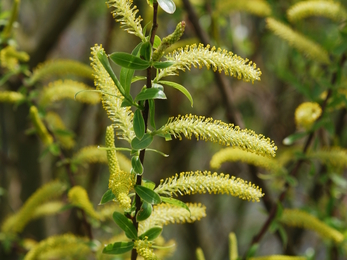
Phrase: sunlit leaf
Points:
(118, 248)
(147, 195)
(125, 224)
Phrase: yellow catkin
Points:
(40, 127)
(233, 251)
(188, 183)
(306, 114)
(235, 154)
(334, 156)
(278, 257)
(143, 248)
(78, 197)
(65, 246)
(217, 131)
(255, 7)
(56, 124)
(10, 57)
(199, 254)
(46, 193)
(120, 182)
(125, 14)
(210, 57)
(60, 68)
(67, 89)
(122, 117)
(164, 214)
(298, 41)
(299, 218)
(329, 9)
(10, 97)
(48, 208)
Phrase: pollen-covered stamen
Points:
(217, 131)
(217, 59)
(188, 183)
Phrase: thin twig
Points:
(145, 114)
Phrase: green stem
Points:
(145, 114)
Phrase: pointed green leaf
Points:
(150, 93)
(139, 124)
(175, 202)
(126, 75)
(137, 78)
(136, 165)
(167, 5)
(138, 144)
(129, 61)
(104, 61)
(147, 194)
(126, 103)
(148, 184)
(157, 42)
(162, 64)
(145, 211)
(108, 196)
(146, 51)
(118, 248)
(180, 88)
(125, 224)
(294, 137)
(151, 234)
(151, 112)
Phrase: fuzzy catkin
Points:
(298, 41)
(217, 59)
(125, 13)
(122, 117)
(328, 9)
(188, 183)
(255, 7)
(232, 154)
(78, 197)
(164, 214)
(46, 193)
(299, 218)
(217, 131)
(67, 89)
(60, 68)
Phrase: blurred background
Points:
(50, 30)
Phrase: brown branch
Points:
(145, 114)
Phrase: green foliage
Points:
(132, 91)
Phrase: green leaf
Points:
(125, 224)
(126, 75)
(108, 196)
(129, 61)
(148, 184)
(151, 234)
(104, 61)
(137, 165)
(175, 202)
(139, 124)
(180, 88)
(150, 93)
(167, 5)
(162, 64)
(289, 140)
(126, 103)
(118, 248)
(137, 78)
(145, 211)
(54, 149)
(157, 42)
(139, 144)
(151, 112)
(146, 51)
(147, 194)
(283, 235)
(251, 252)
